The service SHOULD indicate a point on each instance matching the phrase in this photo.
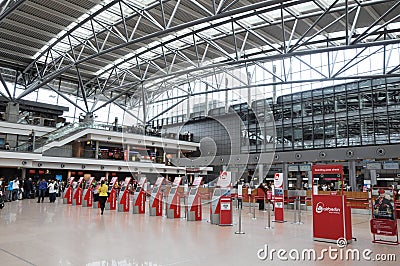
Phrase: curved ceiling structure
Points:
(120, 50)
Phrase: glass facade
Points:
(354, 114)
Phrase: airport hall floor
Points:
(56, 234)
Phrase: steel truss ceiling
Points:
(142, 50)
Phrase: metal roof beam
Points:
(8, 6)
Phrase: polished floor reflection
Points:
(56, 234)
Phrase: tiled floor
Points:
(57, 234)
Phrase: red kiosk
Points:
(194, 201)
(111, 203)
(139, 198)
(383, 222)
(174, 200)
(124, 196)
(278, 198)
(331, 215)
(67, 199)
(77, 197)
(156, 198)
(88, 193)
(224, 182)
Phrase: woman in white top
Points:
(52, 191)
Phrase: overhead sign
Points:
(327, 169)
(305, 167)
(391, 165)
(293, 168)
(374, 166)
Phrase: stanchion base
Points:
(239, 233)
(254, 218)
(298, 223)
(268, 227)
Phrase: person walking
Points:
(42, 190)
(103, 189)
(15, 190)
(52, 191)
(9, 190)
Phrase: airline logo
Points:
(320, 208)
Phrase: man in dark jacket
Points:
(42, 189)
(28, 186)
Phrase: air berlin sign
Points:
(320, 208)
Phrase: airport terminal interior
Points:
(199, 132)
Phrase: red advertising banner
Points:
(383, 220)
(328, 222)
(383, 227)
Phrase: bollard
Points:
(146, 195)
(294, 211)
(164, 201)
(299, 211)
(269, 216)
(254, 209)
(250, 204)
(240, 223)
